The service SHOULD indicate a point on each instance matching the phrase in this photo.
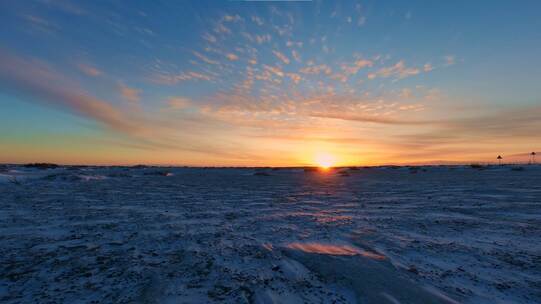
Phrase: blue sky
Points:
(254, 83)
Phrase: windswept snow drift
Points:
(178, 235)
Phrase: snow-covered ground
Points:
(180, 235)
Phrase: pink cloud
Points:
(44, 84)
(89, 70)
(281, 56)
(129, 94)
(232, 57)
(205, 58)
(168, 79)
(399, 70)
(317, 69)
(179, 103)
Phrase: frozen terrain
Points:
(180, 235)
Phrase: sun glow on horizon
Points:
(324, 160)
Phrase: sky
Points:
(269, 83)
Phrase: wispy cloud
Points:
(179, 103)
(399, 71)
(263, 38)
(281, 56)
(449, 60)
(296, 55)
(232, 18)
(209, 38)
(40, 24)
(258, 20)
(129, 94)
(361, 19)
(170, 79)
(352, 69)
(317, 69)
(205, 58)
(296, 78)
(40, 82)
(89, 70)
(428, 67)
(37, 79)
(220, 28)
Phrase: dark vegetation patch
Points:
(42, 166)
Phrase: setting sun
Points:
(325, 160)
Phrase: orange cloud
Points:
(37, 79)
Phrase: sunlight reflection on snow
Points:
(334, 250)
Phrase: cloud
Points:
(352, 69)
(287, 108)
(515, 122)
(40, 24)
(205, 58)
(129, 94)
(281, 56)
(285, 30)
(340, 77)
(368, 118)
(257, 20)
(406, 93)
(481, 134)
(399, 71)
(179, 103)
(37, 20)
(262, 38)
(209, 38)
(275, 70)
(36, 79)
(89, 70)
(43, 84)
(168, 79)
(361, 20)
(449, 60)
(296, 55)
(298, 44)
(232, 57)
(428, 67)
(296, 78)
(232, 18)
(317, 69)
(220, 28)
(433, 95)
(66, 6)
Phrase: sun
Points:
(324, 160)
